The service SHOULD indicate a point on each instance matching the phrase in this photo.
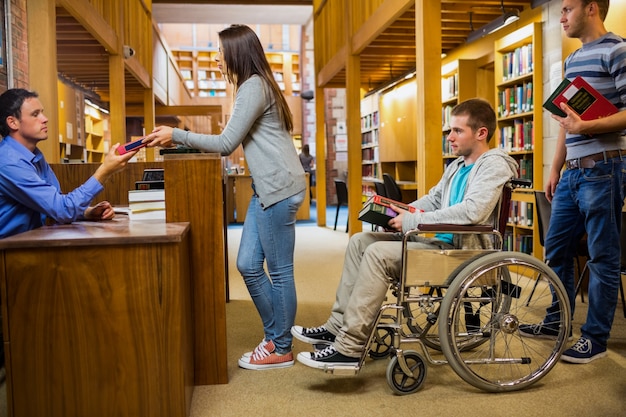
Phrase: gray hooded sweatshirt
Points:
(480, 203)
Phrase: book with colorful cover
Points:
(585, 100)
(377, 210)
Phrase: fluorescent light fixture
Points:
(505, 19)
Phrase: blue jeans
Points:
(589, 200)
(269, 235)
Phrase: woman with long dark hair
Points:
(261, 121)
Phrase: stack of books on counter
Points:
(146, 204)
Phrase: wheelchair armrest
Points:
(445, 227)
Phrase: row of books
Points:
(517, 62)
(450, 87)
(369, 154)
(370, 170)
(369, 138)
(445, 116)
(514, 100)
(523, 243)
(369, 121)
(519, 136)
(521, 213)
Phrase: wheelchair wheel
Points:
(498, 287)
(422, 315)
(381, 345)
(399, 381)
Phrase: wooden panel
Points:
(193, 192)
(115, 191)
(97, 337)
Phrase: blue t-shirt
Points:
(457, 192)
(30, 192)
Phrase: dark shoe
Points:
(324, 358)
(584, 351)
(313, 335)
(540, 331)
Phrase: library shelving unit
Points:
(96, 133)
(398, 134)
(286, 69)
(518, 72)
(203, 78)
(458, 83)
(370, 159)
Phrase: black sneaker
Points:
(584, 351)
(327, 357)
(539, 331)
(313, 335)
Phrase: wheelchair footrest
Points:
(342, 369)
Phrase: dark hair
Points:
(244, 57)
(480, 114)
(11, 105)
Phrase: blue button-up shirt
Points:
(30, 192)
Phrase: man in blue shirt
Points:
(29, 189)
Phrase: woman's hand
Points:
(160, 136)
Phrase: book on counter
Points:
(146, 204)
(377, 210)
(582, 98)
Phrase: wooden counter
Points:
(239, 193)
(97, 319)
(194, 194)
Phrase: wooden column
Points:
(353, 124)
(320, 156)
(42, 68)
(428, 77)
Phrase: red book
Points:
(127, 147)
(582, 98)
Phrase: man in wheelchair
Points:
(468, 193)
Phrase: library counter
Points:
(97, 319)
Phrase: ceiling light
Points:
(505, 19)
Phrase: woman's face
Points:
(221, 65)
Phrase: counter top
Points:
(118, 231)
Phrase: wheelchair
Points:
(470, 310)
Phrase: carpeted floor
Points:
(596, 389)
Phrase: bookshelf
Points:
(518, 99)
(96, 133)
(458, 83)
(398, 135)
(203, 78)
(370, 158)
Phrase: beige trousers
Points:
(373, 260)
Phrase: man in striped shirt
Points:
(588, 195)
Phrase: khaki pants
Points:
(373, 260)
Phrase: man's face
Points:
(461, 137)
(574, 17)
(32, 126)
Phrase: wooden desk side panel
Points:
(96, 333)
(193, 190)
(115, 191)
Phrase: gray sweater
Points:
(480, 203)
(270, 153)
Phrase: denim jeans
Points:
(269, 235)
(589, 200)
